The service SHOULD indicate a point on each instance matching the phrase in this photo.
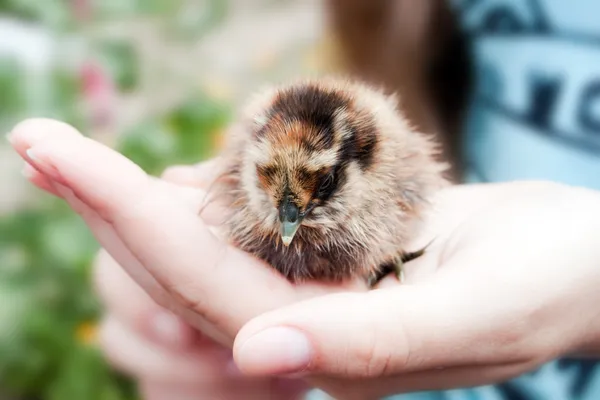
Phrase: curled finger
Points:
(134, 308)
(141, 358)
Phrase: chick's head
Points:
(311, 148)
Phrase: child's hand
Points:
(510, 282)
(169, 358)
(152, 229)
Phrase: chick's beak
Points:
(290, 219)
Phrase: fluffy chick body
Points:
(344, 156)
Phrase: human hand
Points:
(167, 357)
(510, 282)
(140, 221)
(152, 229)
(358, 344)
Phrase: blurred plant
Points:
(122, 63)
(46, 300)
(48, 311)
(12, 100)
(185, 135)
(56, 94)
(53, 13)
(48, 308)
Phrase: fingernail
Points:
(168, 329)
(279, 350)
(31, 154)
(44, 166)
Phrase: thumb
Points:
(385, 331)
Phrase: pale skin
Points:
(510, 282)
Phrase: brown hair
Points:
(416, 49)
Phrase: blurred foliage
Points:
(11, 80)
(55, 13)
(122, 62)
(183, 136)
(46, 298)
(48, 309)
(58, 97)
(60, 15)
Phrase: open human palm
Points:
(489, 300)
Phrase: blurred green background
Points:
(158, 80)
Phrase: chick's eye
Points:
(327, 185)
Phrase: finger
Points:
(107, 237)
(42, 130)
(38, 130)
(39, 180)
(382, 332)
(200, 175)
(159, 391)
(164, 233)
(141, 358)
(134, 308)
(254, 389)
(433, 380)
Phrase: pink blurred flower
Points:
(99, 93)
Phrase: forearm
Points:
(585, 229)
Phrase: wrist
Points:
(588, 345)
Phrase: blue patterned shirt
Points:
(535, 114)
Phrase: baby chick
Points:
(326, 180)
